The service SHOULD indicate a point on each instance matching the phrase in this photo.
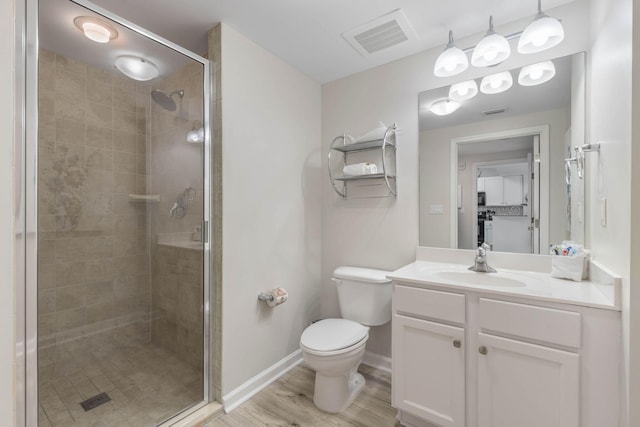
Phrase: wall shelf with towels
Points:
(381, 182)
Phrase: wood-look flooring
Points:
(288, 402)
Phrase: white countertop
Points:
(520, 282)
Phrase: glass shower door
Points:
(122, 201)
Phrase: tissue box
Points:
(574, 268)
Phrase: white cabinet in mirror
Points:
(498, 164)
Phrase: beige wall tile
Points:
(70, 132)
(70, 273)
(46, 301)
(70, 297)
(99, 137)
(99, 312)
(68, 319)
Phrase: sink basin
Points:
(485, 279)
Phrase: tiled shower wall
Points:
(177, 272)
(93, 254)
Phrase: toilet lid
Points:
(333, 334)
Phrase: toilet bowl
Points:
(334, 348)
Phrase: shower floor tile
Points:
(146, 384)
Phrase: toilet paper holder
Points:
(263, 296)
(274, 297)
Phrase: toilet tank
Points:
(364, 294)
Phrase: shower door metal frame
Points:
(26, 249)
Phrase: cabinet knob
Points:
(483, 350)
(457, 343)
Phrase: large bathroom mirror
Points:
(500, 168)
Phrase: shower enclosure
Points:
(122, 218)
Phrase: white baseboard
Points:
(244, 392)
(377, 361)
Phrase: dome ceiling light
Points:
(95, 29)
(444, 106)
(136, 68)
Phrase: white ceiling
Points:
(307, 33)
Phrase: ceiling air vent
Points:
(492, 112)
(382, 33)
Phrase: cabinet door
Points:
(428, 370)
(513, 190)
(526, 385)
(493, 187)
(480, 184)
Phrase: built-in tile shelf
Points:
(144, 198)
(182, 240)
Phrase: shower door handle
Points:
(205, 232)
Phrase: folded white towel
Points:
(373, 134)
(360, 169)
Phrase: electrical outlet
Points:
(436, 210)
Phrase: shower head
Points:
(164, 100)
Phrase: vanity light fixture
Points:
(452, 61)
(496, 83)
(491, 50)
(541, 34)
(463, 91)
(95, 29)
(444, 106)
(536, 74)
(136, 68)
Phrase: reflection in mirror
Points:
(493, 170)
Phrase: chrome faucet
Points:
(480, 262)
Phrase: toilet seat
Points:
(333, 336)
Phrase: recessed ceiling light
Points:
(136, 68)
(95, 29)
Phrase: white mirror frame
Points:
(543, 131)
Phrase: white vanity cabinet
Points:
(429, 355)
(464, 358)
(522, 383)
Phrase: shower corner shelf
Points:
(385, 147)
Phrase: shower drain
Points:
(95, 401)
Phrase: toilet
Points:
(334, 348)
